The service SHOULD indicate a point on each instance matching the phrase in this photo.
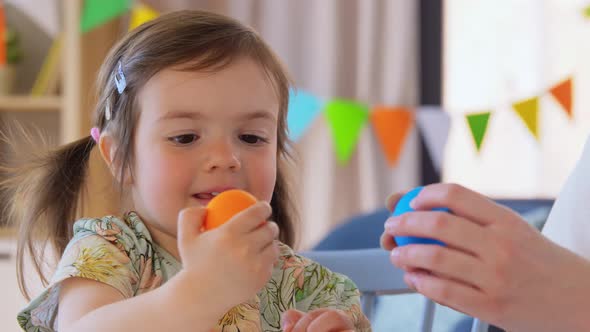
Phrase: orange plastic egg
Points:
(225, 205)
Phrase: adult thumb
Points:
(190, 222)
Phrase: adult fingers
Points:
(454, 231)
(392, 200)
(442, 261)
(463, 202)
(387, 241)
(448, 292)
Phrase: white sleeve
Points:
(568, 223)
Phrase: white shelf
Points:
(30, 104)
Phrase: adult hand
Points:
(495, 266)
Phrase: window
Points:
(504, 51)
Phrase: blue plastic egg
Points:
(402, 207)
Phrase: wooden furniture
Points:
(82, 55)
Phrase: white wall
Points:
(502, 51)
(11, 301)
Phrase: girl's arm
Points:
(88, 305)
(221, 268)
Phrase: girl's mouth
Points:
(206, 196)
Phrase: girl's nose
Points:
(222, 155)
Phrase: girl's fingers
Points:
(190, 221)
(454, 231)
(303, 323)
(330, 321)
(442, 261)
(264, 235)
(447, 292)
(290, 318)
(463, 202)
(250, 218)
(269, 254)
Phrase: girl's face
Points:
(200, 134)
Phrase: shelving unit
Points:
(67, 106)
(82, 54)
(30, 104)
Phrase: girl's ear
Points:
(107, 148)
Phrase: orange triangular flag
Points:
(528, 111)
(3, 51)
(391, 125)
(562, 92)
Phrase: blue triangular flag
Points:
(303, 109)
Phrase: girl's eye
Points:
(253, 139)
(183, 139)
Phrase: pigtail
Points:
(42, 195)
(283, 206)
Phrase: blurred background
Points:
(389, 94)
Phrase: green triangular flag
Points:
(478, 123)
(97, 12)
(346, 119)
(587, 12)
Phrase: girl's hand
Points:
(319, 320)
(495, 266)
(235, 259)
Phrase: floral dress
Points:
(121, 253)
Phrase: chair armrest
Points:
(370, 269)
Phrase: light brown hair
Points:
(46, 192)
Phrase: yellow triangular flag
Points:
(528, 111)
(141, 14)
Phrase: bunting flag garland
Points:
(346, 119)
(391, 125)
(303, 109)
(528, 110)
(98, 12)
(478, 123)
(434, 124)
(140, 14)
(562, 92)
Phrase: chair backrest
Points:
(374, 275)
(363, 231)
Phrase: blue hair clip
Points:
(120, 81)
